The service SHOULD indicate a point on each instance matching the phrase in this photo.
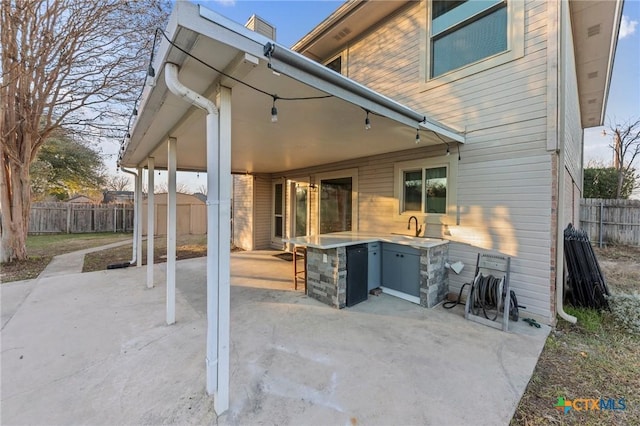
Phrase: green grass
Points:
(42, 248)
(599, 357)
(38, 243)
(589, 319)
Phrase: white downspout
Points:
(561, 172)
(216, 322)
(135, 217)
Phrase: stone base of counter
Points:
(434, 277)
(327, 281)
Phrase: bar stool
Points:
(299, 251)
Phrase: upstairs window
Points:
(335, 64)
(464, 32)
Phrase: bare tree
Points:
(76, 64)
(118, 183)
(202, 189)
(626, 148)
(163, 188)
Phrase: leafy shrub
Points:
(625, 307)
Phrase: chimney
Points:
(259, 25)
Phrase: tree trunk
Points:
(15, 199)
(620, 182)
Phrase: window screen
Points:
(481, 37)
(412, 190)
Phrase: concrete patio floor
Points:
(93, 348)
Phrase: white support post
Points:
(218, 233)
(213, 199)
(221, 399)
(138, 207)
(171, 231)
(150, 220)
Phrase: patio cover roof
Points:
(308, 132)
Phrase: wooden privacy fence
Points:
(611, 221)
(47, 218)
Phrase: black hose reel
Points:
(488, 294)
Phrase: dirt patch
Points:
(596, 358)
(24, 270)
(621, 267)
(187, 247)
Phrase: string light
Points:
(274, 110)
(447, 144)
(151, 73)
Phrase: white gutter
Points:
(294, 59)
(217, 268)
(135, 218)
(561, 172)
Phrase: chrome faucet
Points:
(418, 230)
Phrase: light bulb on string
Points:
(274, 111)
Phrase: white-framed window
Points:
(335, 64)
(426, 187)
(464, 32)
(470, 36)
(424, 190)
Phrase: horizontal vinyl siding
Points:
(504, 181)
(572, 124)
(243, 212)
(505, 207)
(387, 59)
(262, 212)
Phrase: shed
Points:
(190, 210)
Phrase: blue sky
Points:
(294, 19)
(624, 95)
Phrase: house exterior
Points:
(467, 116)
(521, 89)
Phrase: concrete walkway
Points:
(93, 348)
(70, 263)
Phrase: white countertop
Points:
(348, 238)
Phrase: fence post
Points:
(115, 220)
(68, 218)
(600, 232)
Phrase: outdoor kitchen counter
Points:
(348, 238)
(327, 272)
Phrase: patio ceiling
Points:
(308, 132)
